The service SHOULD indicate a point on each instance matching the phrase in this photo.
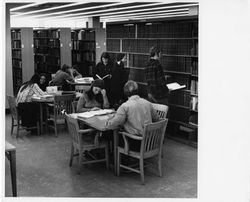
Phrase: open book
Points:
(95, 113)
(84, 80)
(175, 86)
(102, 77)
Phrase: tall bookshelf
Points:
(83, 50)
(51, 49)
(22, 49)
(178, 41)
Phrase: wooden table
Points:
(10, 153)
(98, 123)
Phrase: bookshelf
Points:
(178, 41)
(22, 49)
(51, 49)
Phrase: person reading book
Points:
(93, 99)
(157, 89)
(103, 71)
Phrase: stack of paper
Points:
(95, 113)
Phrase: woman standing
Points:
(103, 71)
(118, 80)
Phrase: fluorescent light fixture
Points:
(125, 12)
(73, 10)
(26, 6)
(94, 13)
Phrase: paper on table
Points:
(84, 80)
(175, 86)
(95, 113)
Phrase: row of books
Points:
(178, 114)
(54, 43)
(15, 34)
(79, 57)
(138, 60)
(194, 69)
(83, 45)
(16, 44)
(83, 35)
(172, 47)
(180, 98)
(194, 87)
(17, 81)
(136, 75)
(179, 64)
(121, 31)
(17, 72)
(46, 34)
(165, 29)
(17, 63)
(113, 44)
(17, 54)
(53, 61)
(40, 42)
(194, 103)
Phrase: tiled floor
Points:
(43, 171)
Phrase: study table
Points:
(98, 122)
(10, 153)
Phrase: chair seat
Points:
(136, 154)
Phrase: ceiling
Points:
(107, 11)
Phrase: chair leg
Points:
(107, 157)
(79, 163)
(71, 155)
(118, 163)
(142, 170)
(55, 128)
(159, 165)
(12, 125)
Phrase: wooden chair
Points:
(16, 118)
(83, 142)
(61, 102)
(74, 106)
(151, 145)
(162, 111)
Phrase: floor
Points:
(43, 171)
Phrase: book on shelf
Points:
(175, 86)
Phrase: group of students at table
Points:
(133, 112)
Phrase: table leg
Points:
(115, 136)
(12, 155)
(41, 117)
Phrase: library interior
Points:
(101, 99)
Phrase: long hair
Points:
(92, 96)
(106, 55)
(34, 79)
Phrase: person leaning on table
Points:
(29, 111)
(132, 115)
(93, 99)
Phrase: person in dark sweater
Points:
(43, 83)
(118, 81)
(103, 70)
(157, 89)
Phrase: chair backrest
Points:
(73, 129)
(12, 105)
(63, 102)
(161, 110)
(74, 106)
(153, 136)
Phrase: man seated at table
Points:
(133, 114)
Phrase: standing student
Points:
(118, 80)
(103, 71)
(157, 89)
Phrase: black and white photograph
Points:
(125, 100)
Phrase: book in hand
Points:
(175, 86)
(108, 75)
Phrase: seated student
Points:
(75, 72)
(43, 82)
(62, 76)
(94, 98)
(133, 114)
(28, 110)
